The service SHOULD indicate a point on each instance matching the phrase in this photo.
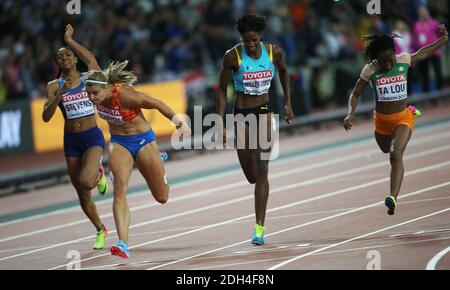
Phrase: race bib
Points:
(392, 88)
(111, 116)
(77, 105)
(257, 83)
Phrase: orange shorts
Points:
(386, 124)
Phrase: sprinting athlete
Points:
(394, 122)
(132, 139)
(83, 140)
(252, 65)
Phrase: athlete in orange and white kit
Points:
(394, 122)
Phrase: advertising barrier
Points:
(49, 136)
(15, 129)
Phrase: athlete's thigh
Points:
(246, 155)
(73, 168)
(149, 163)
(401, 136)
(121, 164)
(90, 161)
(384, 142)
(265, 133)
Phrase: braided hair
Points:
(378, 43)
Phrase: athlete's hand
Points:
(348, 122)
(288, 114)
(69, 33)
(67, 85)
(443, 31)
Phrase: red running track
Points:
(325, 211)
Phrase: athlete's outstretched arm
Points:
(132, 98)
(357, 92)
(82, 52)
(285, 80)
(427, 51)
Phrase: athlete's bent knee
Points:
(396, 156)
(385, 151)
(162, 195)
(88, 182)
(84, 198)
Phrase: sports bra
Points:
(254, 76)
(75, 102)
(115, 115)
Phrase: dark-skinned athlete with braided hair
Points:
(394, 121)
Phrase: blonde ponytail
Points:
(113, 74)
(116, 73)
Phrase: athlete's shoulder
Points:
(274, 46)
(277, 51)
(274, 51)
(231, 56)
(403, 57)
(232, 51)
(53, 82)
(126, 88)
(367, 71)
(53, 85)
(126, 91)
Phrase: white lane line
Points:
(235, 185)
(135, 264)
(222, 266)
(396, 235)
(230, 173)
(414, 142)
(281, 248)
(272, 218)
(279, 265)
(303, 225)
(432, 263)
(321, 179)
(201, 193)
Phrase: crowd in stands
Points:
(170, 39)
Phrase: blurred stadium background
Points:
(176, 48)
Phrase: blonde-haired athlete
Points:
(132, 139)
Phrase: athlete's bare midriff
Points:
(391, 107)
(136, 126)
(244, 101)
(80, 125)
